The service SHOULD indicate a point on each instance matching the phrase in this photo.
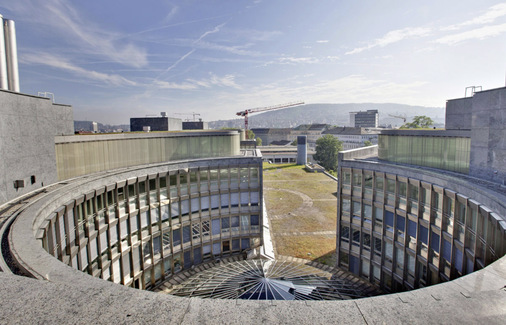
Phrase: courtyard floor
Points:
(302, 212)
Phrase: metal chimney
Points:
(3, 58)
(11, 50)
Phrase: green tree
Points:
(294, 142)
(419, 122)
(367, 143)
(327, 148)
(259, 142)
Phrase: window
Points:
(434, 245)
(377, 246)
(378, 216)
(356, 209)
(345, 233)
(205, 228)
(389, 249)
(186, 234)
(367, 213)
(356, 238)
(401, 223)
(346, 205)
(399, 255)
(225, 225)
(346, 177)
(216, 227)
(366, 241)
(176, 236)
(389, 220)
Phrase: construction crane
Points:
(246, 112)
(403, 117)
(193, 113)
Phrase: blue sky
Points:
(112, 60)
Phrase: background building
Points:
(195, 125)
(161, 123)
(352, 137)
(366, 119)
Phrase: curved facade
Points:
(404, 228)
(141, 227)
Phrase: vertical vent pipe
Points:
(11, 50)
(3, 58)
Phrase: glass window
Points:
(389, 249)
(346, 205)
(186, 234)
(357, 179)
(447, 250)
(345, 233)
(399, 255)
(176, 236)
(367, 213)
(356, 237)
(411, 264)
(195, 231)
(389, 220)
(412, 228)
(401, 222)
(378, 216)
(377, 246)
(435, 242)
(225, 225)
(365, 267)
(216, 227)
(366, 241)
(424, 234)
(356, 208)
(205, 228)
(234, 223)
(379, 183)
(346, 177)
(390, 185)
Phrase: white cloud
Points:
(192, 84)
(322, 41)
(394, 37)
(63, 64)
(478, 34)
(67, 22)
(295, 60)
(489, 16)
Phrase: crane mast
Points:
(246, 112)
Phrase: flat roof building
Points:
(366, 119)
(160, 123)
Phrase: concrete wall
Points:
(488, 135)
(458, 114)
(28, 125)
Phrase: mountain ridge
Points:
(333, 114)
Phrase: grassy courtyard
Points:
(302, 209)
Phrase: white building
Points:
(354, 137)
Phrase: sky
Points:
(112, 60)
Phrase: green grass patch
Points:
(307, 247)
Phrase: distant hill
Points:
(103, 128)
(333, 114)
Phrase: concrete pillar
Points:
(301, 150)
